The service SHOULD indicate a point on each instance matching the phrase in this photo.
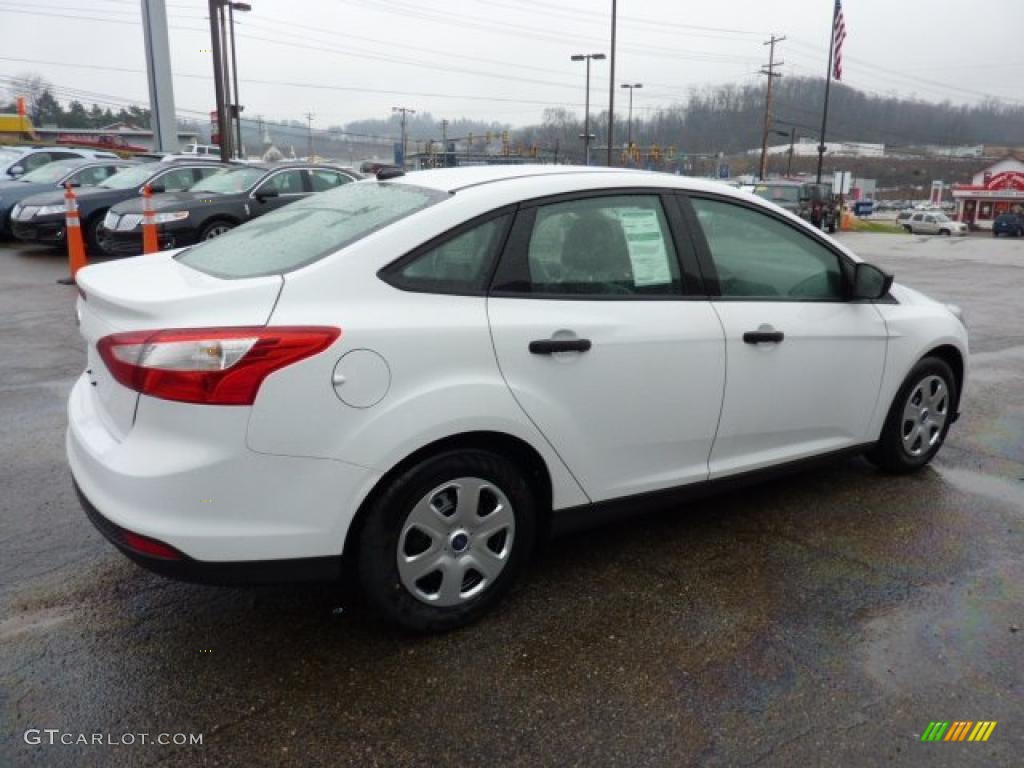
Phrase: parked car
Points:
(217, 204)
(937, 223)
(17, 163)
(77, 173)
(421, 377)
(1010, 224)
(40, 218)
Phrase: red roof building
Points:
(994, 190)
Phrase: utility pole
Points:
(404, 111)
(223, 127)
(771, 74)
(309, 124)
(611, 92)
(792, 144)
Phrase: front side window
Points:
(459, 265)
(305, 231)
(607, 247)
(758, 256)
(36, 160)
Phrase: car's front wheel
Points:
(215, 229)
(919, 418)
(446, 539)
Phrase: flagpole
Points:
(828, 86)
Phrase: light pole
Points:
(611, 91)
(586, 117)
(629, 124)
(404, 111)
(237, 107)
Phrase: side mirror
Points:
(16, 170)
(870, 282)
(157, 188)
(262, 194)
(74, 184)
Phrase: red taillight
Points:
(150, 547)
(212, 366)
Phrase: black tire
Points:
(380, 534)
(944, 232)
(93, 241)
(889, 453)
(215, 228)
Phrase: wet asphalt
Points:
(822, 619)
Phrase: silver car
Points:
(935, 223)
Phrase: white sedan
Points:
(421, 376)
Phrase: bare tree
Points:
(32, 86)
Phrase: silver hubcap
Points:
(217, 231)
(925, 415)
(456, 541)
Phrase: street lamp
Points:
(629, 123)
(586, 117)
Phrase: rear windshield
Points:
(777, 194)
(306, 231)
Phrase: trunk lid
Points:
(155, 292)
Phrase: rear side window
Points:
(324, 180)
(306, 231)
(459, 265)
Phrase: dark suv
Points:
(218, 204)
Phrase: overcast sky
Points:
(508, 59)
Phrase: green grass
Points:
(883, 227)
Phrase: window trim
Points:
(389, 273)
(517, 245)
(710, 273)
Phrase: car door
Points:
(804, 363)
(285, 186)
(606, 347)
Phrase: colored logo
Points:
(959, 730)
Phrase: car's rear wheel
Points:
(919, 418)
(446, 540)
(944, 232)
(215, 229)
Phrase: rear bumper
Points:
(224, 573)
(186, 478)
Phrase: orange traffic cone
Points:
(73, 233)
(149, 238)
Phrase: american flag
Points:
(838, 36)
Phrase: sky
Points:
(508, 60)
